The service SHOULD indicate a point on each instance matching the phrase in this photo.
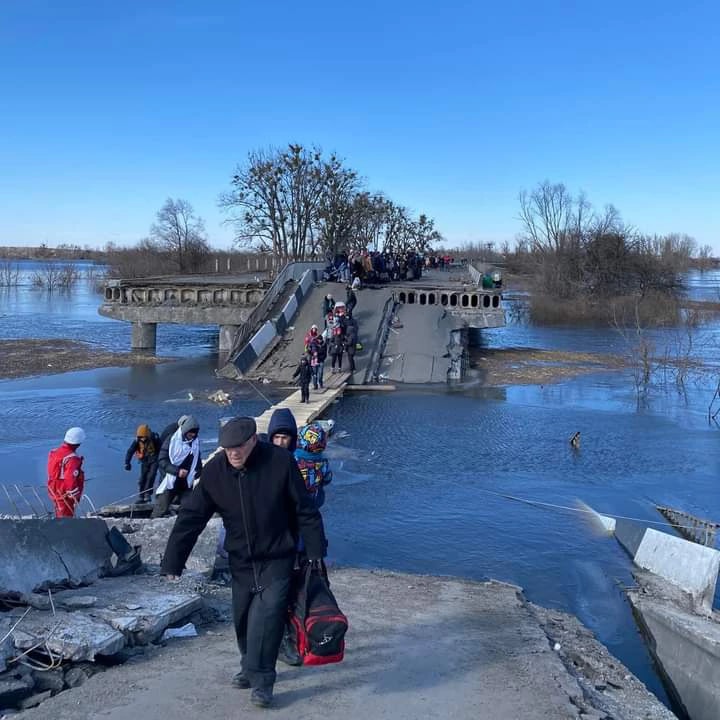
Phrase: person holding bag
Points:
(258, 491)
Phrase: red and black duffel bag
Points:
(317, 626)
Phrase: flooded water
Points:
(419, 473)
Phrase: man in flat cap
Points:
(260, 494)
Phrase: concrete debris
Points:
(152, 536)
(186, 631)
(78, 602)
(220, 397)
(132, 610)
(71, 636)
(38, 554)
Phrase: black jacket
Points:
(303, 373)
(167, 467)
(148, 458)
(275, 501)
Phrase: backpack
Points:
(316, 624)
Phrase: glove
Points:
(127, 466)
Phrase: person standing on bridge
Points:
(303, 373)
(66, 477)
(351, 338)
(258, 491)
(337, 346)
(318, 355)
(350, 302)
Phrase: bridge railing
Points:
(475, 274)
(292, 271)
(373, 369)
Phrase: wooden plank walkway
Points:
(304, 413)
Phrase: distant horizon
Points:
(449, 110)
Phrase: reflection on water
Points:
(419, 472)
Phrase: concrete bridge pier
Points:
(144, 335)
(226, 337)
(458, 351)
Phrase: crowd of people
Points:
(374, 267)
(338, 339)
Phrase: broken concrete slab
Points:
(38, 554)
(686, 647)
(152, 535)
(142, 607)
(70, 635)
(691, 567)
(133, 610)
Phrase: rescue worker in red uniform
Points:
(66, 478)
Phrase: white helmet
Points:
(75, 436)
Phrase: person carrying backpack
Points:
(66, 477)
(146, 448)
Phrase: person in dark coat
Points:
(328, 304)
(318, 355)
(351, 338)
(303, 373)
(282, 429)
(146, 448)
(337, 346)
(351, 301)
(180, 464)
(258, 491)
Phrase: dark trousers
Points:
(337, 357)
(351, 361)
(259, 625)
(164, 500)
(146, 482)
(305, 392)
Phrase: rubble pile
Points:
(67, 610)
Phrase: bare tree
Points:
(275, 200)
(179, 232)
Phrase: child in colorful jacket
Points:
(313, 465)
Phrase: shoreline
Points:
(21, 358)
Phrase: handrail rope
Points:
(540, 503)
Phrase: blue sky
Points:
(449, 108)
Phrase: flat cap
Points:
(237, 431)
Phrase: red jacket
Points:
(66, 479)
